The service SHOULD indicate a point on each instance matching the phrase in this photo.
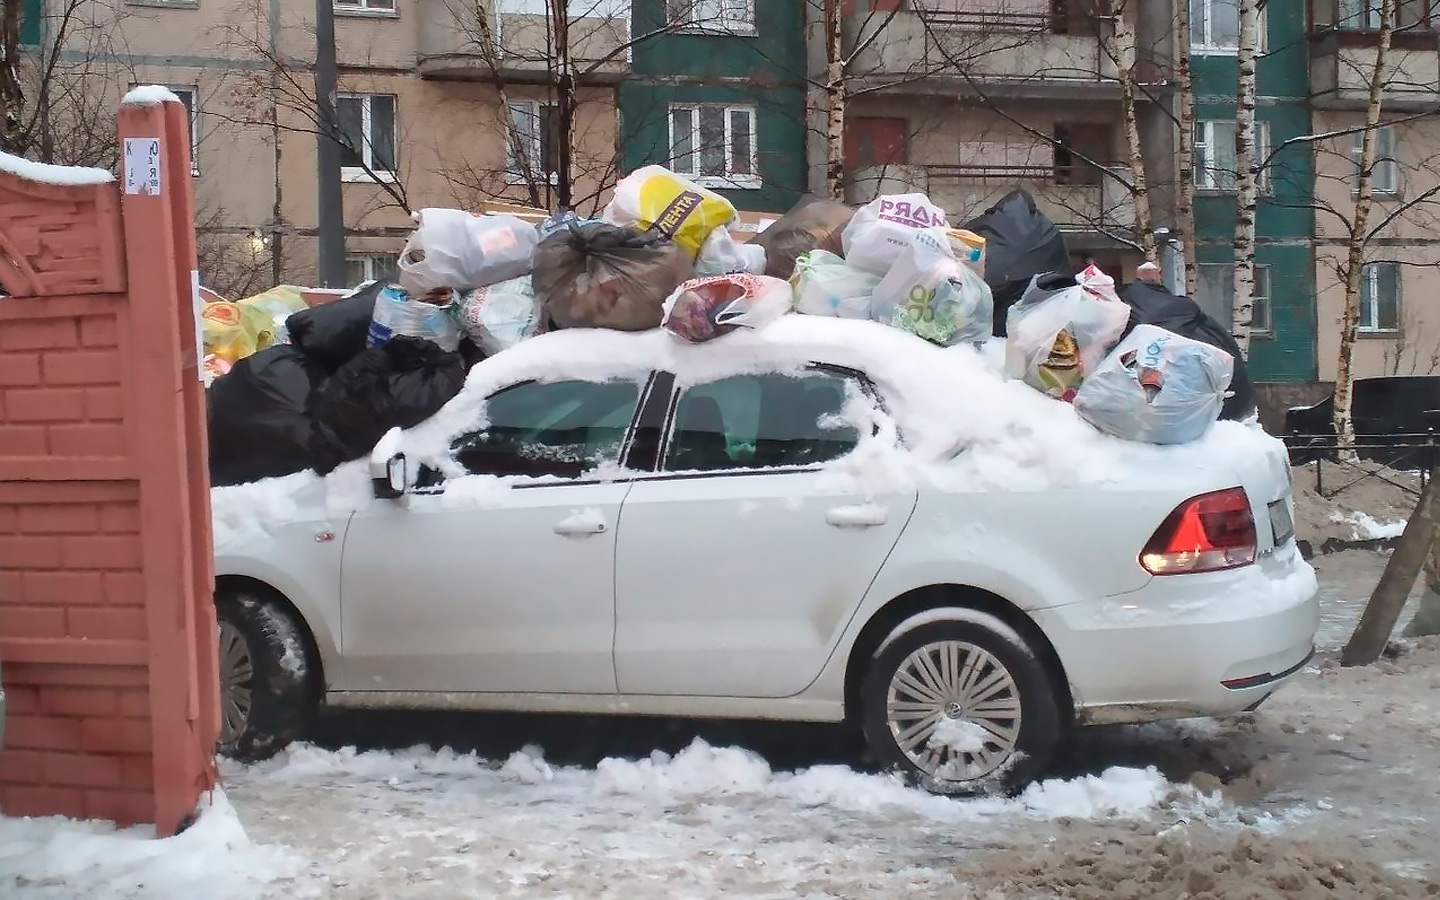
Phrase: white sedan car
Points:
(824, 521)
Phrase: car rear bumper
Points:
(1189, 645)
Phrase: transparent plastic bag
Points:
(1097, 284)
(396, 312)
(880, 230)
(501, 315)
(825, 285)
(705, 308)
(1058, 333)
(722, 255)
(927, 292)
(451, 248)
(1156, 387)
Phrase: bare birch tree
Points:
(1359, 223)
(1185, 165)
(1247, 174)
(1122, 40)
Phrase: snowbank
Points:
(57, 857)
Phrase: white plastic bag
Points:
(929, 293)
(397, 313)
(826, 286)
(722, 255)
(653, 197)
(705, 308)
(880, 230)
(1097, 284)
(1056, 336)
(451, 248)
(501, 315)
(1157, 387)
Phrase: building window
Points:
(378, 7)
(1216, 296)
(32, 17)
(1379, 298)
(363, 267)
(1384, 176)
(1215, 26)
(1078, 148)
(1359, 15)
(367, 123)
(1260, 318)
(1215, 155)
(724, 16)
(536, 137)
(715, 145)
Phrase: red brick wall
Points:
(106, 626)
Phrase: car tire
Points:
(1004, 740)
(267, 686)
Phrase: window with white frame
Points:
(1214, 151)
(1215, 294)
(1360, 15)
(532, 155)
(1379, 298)
(727, 16)
(367, 123)
(1215, 26)
(715, 145)
(1384, 174)
(378, 7)
(363, 267)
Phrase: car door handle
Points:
(580, 525)
(866, 515)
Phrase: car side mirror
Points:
(391, 485)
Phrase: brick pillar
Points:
(107, 631)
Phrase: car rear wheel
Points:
(267, 691)
(959, 703)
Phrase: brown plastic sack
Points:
(813, 224)
(595, 275)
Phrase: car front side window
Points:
(560, 429)
(763, 421)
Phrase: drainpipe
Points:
(1172, 261)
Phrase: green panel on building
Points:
(1285, 221)
(31, 20)
(726, 108)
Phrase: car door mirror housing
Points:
(392, 483)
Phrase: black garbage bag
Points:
(398, 384)
(1151, 304)
(334, 333)
(595, 275)
(1020, 243)
(256, 416)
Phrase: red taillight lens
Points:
(1206, 534)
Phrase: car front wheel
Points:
(958, 702)
(266, 678)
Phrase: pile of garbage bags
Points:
(296, 387)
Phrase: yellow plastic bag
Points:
(233, 331)
(656, 198)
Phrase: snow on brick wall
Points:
(106, 645)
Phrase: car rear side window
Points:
(560, 429)
(761, 421)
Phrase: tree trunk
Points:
(1247, 178)
(1123, 51)
(12, 96)
(1386, 604)
(1359, 223)
(835, 93)
(489, 51)
(1185, 176)
(565, 102)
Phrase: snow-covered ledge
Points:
(45, 173)
(149, 95)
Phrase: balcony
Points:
(451, 45)
(1342, 59)
(1003, 54)
(966, 191)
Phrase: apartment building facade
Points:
(717, 91)
(968, 99)
(1282, 347)
(1398, 331)
(436, 106)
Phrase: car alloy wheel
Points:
(954, 710)
(237, 673)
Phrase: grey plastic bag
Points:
(1156, 387)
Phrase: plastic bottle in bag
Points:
(396, 312)
(500, 316)
(930, 294)
(824, 285)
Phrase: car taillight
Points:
(1207, 533)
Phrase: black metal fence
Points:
(1340, 465)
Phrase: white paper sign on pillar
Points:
(142, 166)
